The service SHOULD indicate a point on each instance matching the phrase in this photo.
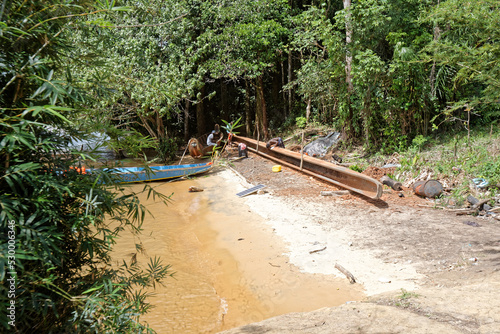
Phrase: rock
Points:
(194, 189)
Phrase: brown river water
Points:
(230, 269)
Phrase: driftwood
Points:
(344, 271)
(335, 193)
(317, 250)
(391, 183)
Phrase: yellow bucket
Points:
(277, 168)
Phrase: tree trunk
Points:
(348, 66)
(224, 104)
(153, 123)
(276, 96)
(348, 36)
(290, 73)
(186, 120)
(248, 110)
(200, 114)
(260, 87)
(258, 111)
(308, 110)
(160, 128)
(290, 92)
(432, 81)
(366, 114)
(284, 93)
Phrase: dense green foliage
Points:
(172, 69)
(153, 73)
(58, 225)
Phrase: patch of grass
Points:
(452, 159)
(356, 168)
(404, 299)
(405, 295)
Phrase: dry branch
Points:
(344, 271)
(317, 250)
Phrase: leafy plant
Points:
(130, 141)
(167, 149)
(301, 122)
(356, 168)
(231, 126)
(419, 142)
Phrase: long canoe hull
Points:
(337, 175)
(156, 173)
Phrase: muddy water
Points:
(229, 266)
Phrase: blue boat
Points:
(154, 173)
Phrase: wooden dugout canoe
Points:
(324, 170)
(156, 173)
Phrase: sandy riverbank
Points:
(423, 270)
(304, 227)
(270, 260)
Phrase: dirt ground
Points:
(456, 257)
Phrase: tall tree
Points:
(468, 52)
(150, 65)
(244, 42)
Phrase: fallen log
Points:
(344, 271)
(395, 185)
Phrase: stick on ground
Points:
(317, 250)
(344, 271)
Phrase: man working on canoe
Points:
(275, 142)
(215, 138)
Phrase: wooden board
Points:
(250, 191)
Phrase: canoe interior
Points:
(337, 175)
(141, 174)
(157, 169)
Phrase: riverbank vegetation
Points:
(55, 264)
(392, 76)
(382, 72)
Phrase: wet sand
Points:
(231, 268)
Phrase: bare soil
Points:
(457, 256)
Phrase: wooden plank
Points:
(250, 191)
